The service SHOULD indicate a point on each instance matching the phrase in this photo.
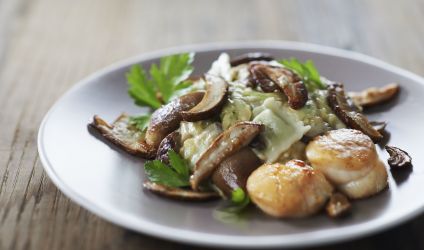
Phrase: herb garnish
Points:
(176, 174)
(140, 122)
(307, 71)
(163, 80)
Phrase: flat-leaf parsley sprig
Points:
(157, 87)
(176, 174)
(307, 71)
(140, 122)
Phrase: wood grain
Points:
(48, 45)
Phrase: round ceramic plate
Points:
(109, 183)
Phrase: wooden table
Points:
(48, 45)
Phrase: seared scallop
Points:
(288, 190)
(349, 160)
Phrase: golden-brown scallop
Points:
(349, 160)
(288, 190)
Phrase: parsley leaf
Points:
(141, 89)
(165, 79)
(307, 71)
(140, 122)
(178, 164)
(175, 175)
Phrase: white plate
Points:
(109, 183)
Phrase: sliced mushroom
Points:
(226, 144)
(178, 193)
(374, 96)
(250, 57)
(258, 77)
(171, 141)
(296, 93)
(212, 102)
(338, 205)
(352, 118)
(233, 172)
(379, 126)
(167, 118)
(398, 158)
(124, 136)
(272, 79)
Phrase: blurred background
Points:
(48, 45)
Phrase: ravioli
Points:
(282, 129)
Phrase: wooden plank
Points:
(48, 45)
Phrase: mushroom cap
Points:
(168, 117)
(212, 101)
(170, 142)
(233, 172)
(272, 78)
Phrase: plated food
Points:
(254, 129)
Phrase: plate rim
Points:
(206, 239)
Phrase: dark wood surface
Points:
(48, 45)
